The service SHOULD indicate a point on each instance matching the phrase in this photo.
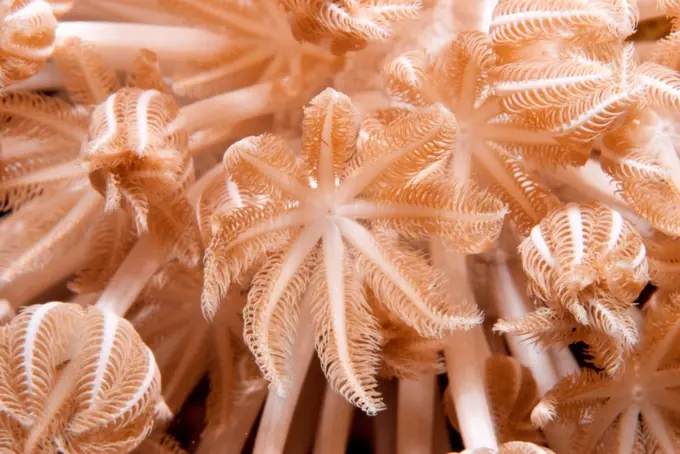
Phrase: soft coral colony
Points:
(395, 172)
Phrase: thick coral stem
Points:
(466, 355)
(127, 283)
(511, 303)
(28, 287)
(278, 411)
(465, 359)
(141, 11)
(245, 421)
(49, 78)
(226, 109)
(648, 9)
(188, 372)
(415, 415)
(546, 367)
(119, 43)
(336, 420)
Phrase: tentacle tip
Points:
(373, 408)
(163, 412)
(614, 371)
(209, 306)
(579, 313)
(543, 413)
(476, 319)
(628, 338)
(501, 327)
(372, 411)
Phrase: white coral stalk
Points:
(510, 303)
(465, 359)
(119, 43)
(278, 410)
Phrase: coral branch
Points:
(228, 108)
(415, 415)
(278, 411)
(49, 78)
(111, 10)
(245, 421)
(119, 43)
(465, 359)
(131, 277)
(27, 287)
(334, 425)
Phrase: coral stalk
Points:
(49, 78)
(511, 303)
(278, 410)
(648, 9)
(29, 286)
(385, 422)
(334, 424)
(131, 277)
(106, 10)
(228, 108)
(415, 415)
(119, 43)
(188, 371)
(465, 358)
(245, 421)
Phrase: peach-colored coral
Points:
(28, 34)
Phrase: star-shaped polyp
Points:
(333, 219)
